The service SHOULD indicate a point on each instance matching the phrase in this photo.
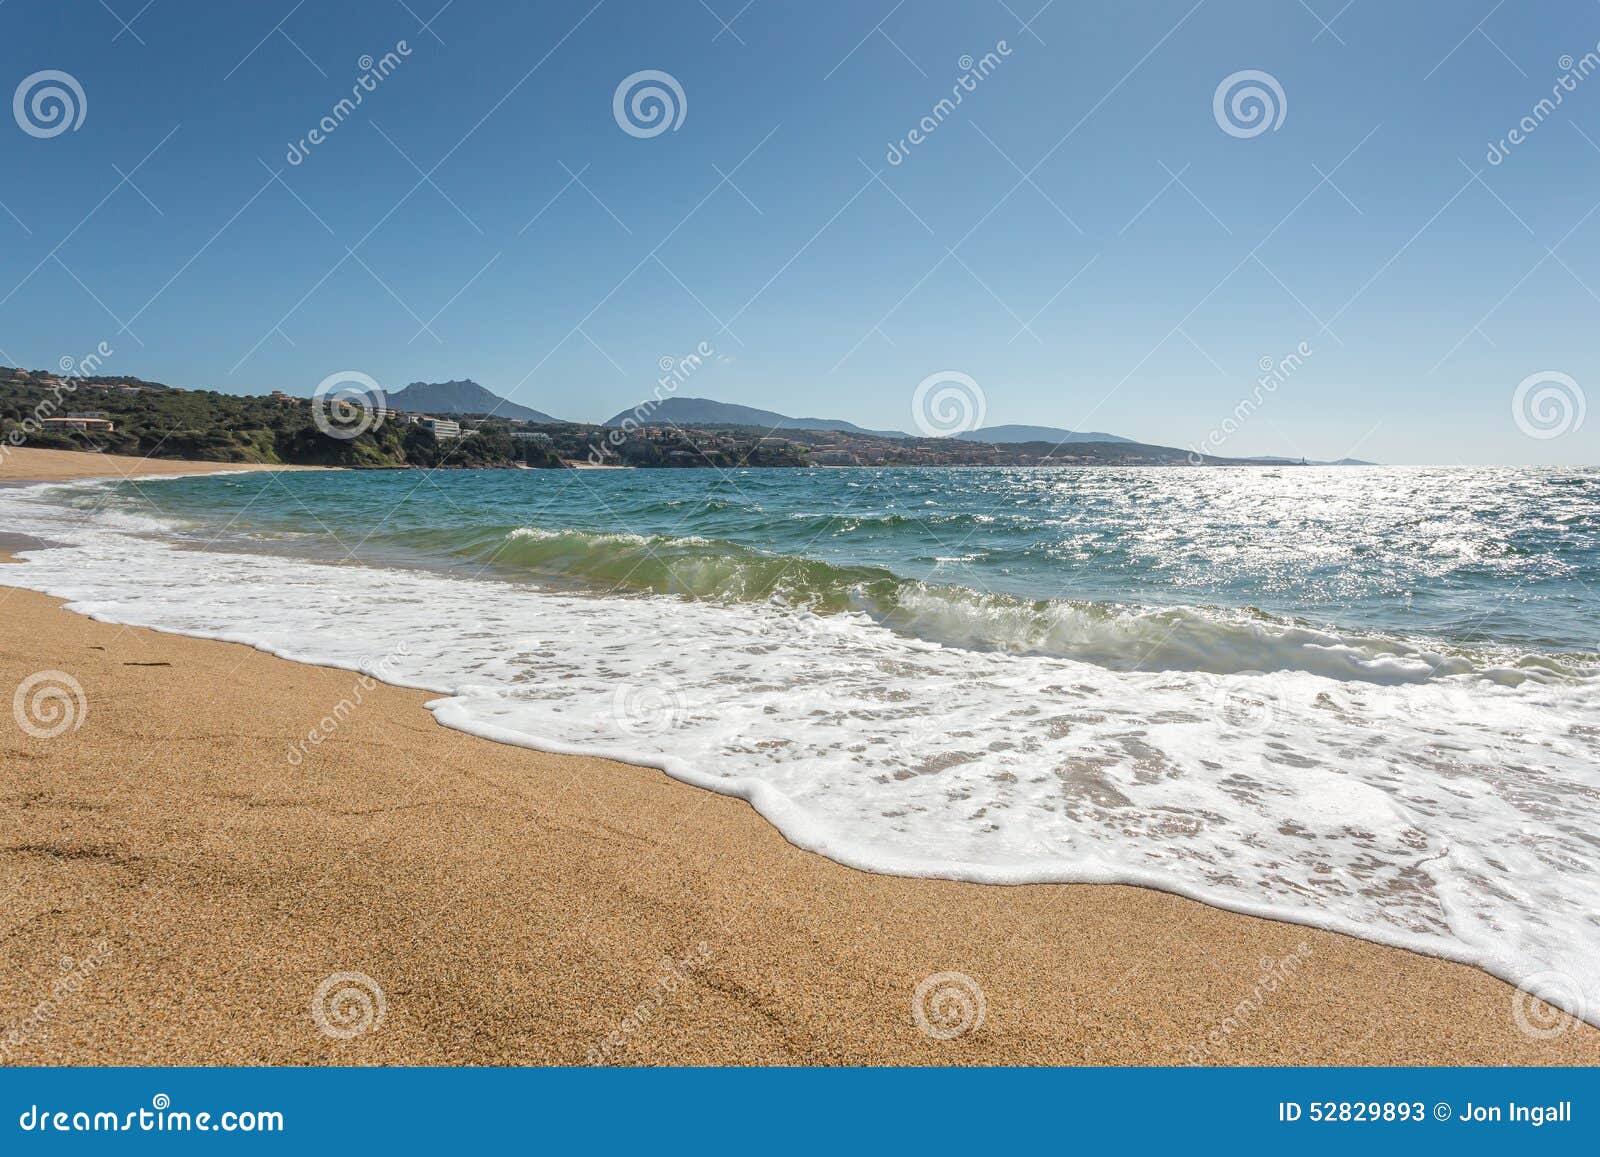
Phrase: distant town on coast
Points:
(461, 424)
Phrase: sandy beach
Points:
(29, 464)
(197, 878)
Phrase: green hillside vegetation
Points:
(206, 426)
(201, 425)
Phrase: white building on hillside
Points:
(441, 428)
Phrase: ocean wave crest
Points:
(1215, 640)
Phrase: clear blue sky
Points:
(1100, 293)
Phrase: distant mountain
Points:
(1276, 461)
(1052, 434)
(468, 397)
(706, 412)
(464, 397)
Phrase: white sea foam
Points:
(1456, 816)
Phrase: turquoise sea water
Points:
(1365, 699)
(1465, 557)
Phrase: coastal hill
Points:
(126, 415)
(463, 397)
(1051, 434)
(129, 416)
(1276, 461)
(706, 412)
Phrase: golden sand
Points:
(177, 888)
(29, 464)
